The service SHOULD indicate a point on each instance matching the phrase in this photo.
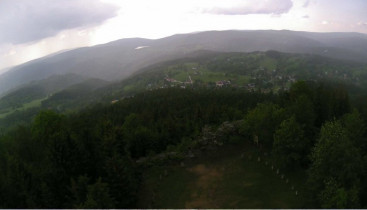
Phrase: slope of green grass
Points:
(227, 178)
(32, 104)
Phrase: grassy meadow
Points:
(231, 177)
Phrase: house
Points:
(251, 87)
(190, 82)
(170, 80)
(222, 83)
(219, 84)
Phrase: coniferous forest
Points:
(98, 157)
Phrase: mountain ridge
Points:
(119, 59)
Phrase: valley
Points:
(120, 59)
(218, 119)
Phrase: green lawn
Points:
(3, 115)
(182, 72)
(269, 63)
(32, 104)
(221, 179)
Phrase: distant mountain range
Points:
(120, 59)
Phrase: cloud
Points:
(307, 3)
(246, 7)
(24, 21)
(306, 17)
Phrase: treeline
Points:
(88, 159)
(316, 129)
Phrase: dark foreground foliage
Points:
(88, 159)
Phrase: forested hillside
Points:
(258, 71)
(155, 104)
(99, 157)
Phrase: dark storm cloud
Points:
(23, 21)
(246, 7)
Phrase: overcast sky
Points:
(31, 29)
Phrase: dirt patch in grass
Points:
(226, 178)
(206, 187)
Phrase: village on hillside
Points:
(261, 81)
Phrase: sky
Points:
(31, 29)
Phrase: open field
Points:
(230, 178)
(32, 104)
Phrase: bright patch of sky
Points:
(30, 29)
